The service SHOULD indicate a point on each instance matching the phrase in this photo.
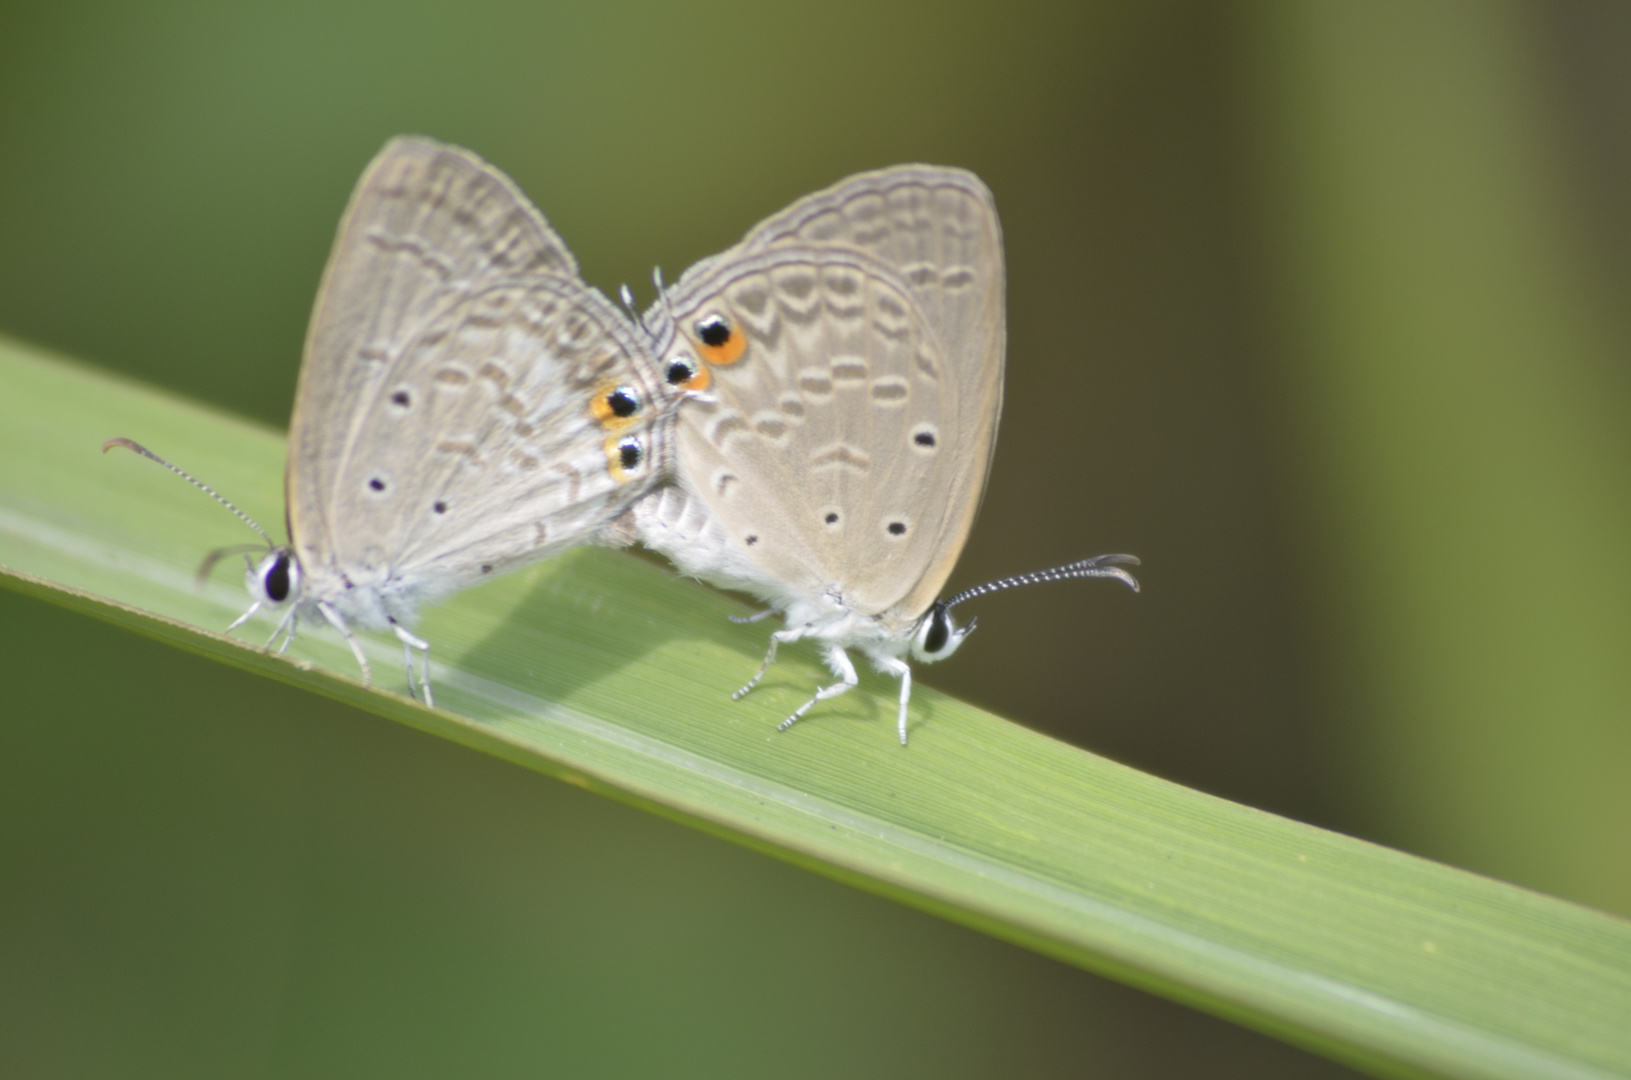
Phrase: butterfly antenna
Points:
(218, 554)
(131, 444)
(1101, 566)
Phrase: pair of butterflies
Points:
(808, 417)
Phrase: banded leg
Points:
(839, 661)
(778, 638)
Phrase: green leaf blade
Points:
(611, 673)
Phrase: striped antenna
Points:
(1101, 566)
(131, 444)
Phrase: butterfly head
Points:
(936, 636)
(274, 580)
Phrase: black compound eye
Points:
(276, 580)
(939, 631)
(713, 330)
(623, 402)
(630, 453)
(681, 370)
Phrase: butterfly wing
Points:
(446, 426)
(937, 227)
(426, 222)
(852, 433)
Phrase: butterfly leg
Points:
(350, 639)
(410, 643)
(757, 616)
(778, 638)
(287, 629)
(245, 617)
(894, 665)
(839, 661)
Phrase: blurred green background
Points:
(1318, 308)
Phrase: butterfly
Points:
(845, 362)
(466, 405)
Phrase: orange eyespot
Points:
(684, 373)
(719, 340)
(625, 457)
(615, 406)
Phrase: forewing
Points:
(427, 224)
(937, 228)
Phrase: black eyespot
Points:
(487, 568)
(752, 540)
(681, 370)
(630, 453)
(897, 528)
(713, 330)
(439, 506)
(276, 581)
(924, 438)
(623, 402)
(376, 484)
(832, 518)
(939, 631)
(402, 398)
